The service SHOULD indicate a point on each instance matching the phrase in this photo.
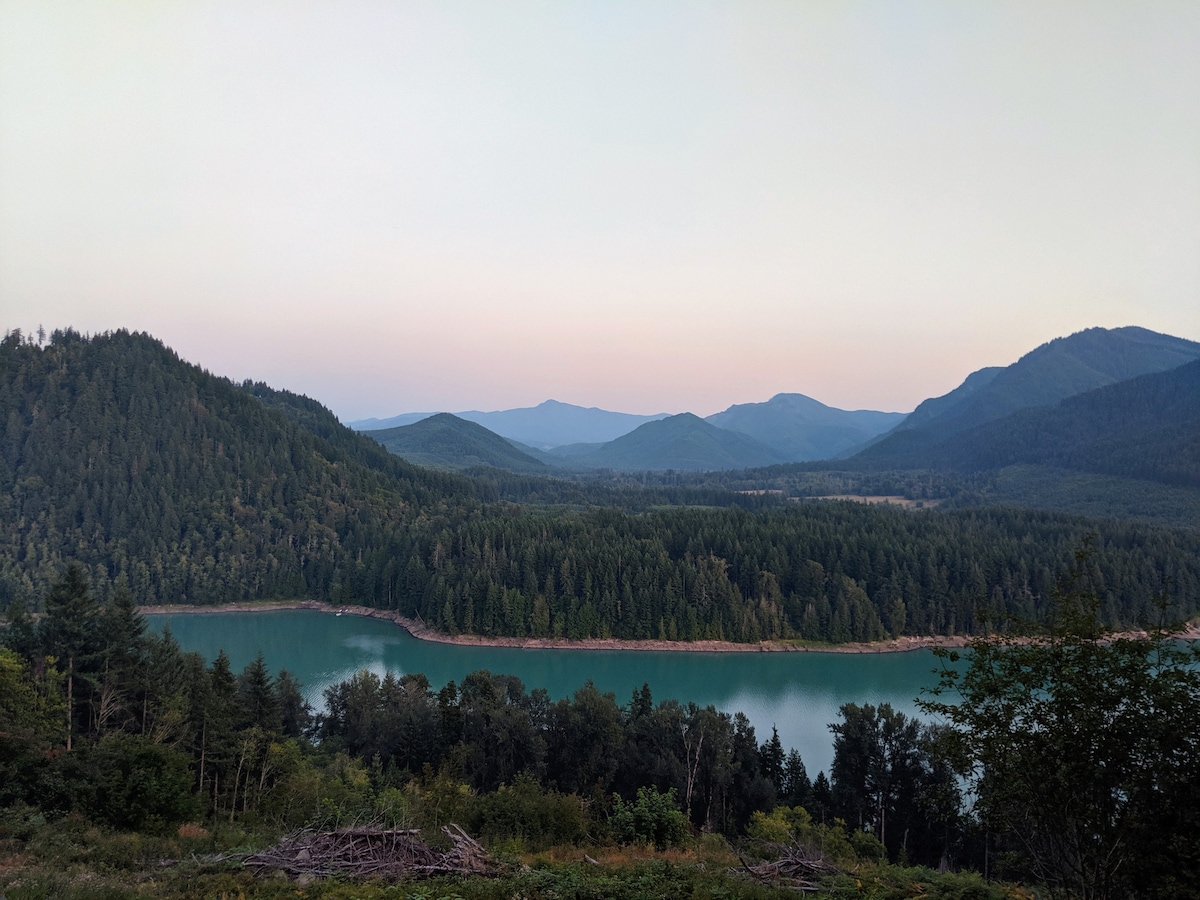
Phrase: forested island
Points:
(132, 478)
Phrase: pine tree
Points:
(797, 789)
(257, 697)
(771, 761)
(70, 633)
(296, 715)
(124, 666)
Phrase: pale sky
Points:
(648, 207)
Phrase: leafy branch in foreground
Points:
(1083, 748)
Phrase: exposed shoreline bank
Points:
(422, 632)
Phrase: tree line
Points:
(821, 572)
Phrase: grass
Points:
(73, 860)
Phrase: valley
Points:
(1045, 508)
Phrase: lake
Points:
(799, 693)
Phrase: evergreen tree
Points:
(296, 715)
(257, 697)
(124, 665)
(797, 789)
(70, 633)
(821, 799)
(771, 760)
(164, 710)
(220, 717)
(878, 771)
(20, 636)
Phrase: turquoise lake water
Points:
(799, 693)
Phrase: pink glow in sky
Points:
(643, 207)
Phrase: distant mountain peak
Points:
(799, 428)
(684, 442)
(1047, 374)
(446, 441)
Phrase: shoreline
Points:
(422, 632)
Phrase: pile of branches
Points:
(361, 853)
(798, 867)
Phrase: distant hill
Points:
(448, 442)
(684, 442)
(800, 428)
(567, 452)
(390, 422)
(1050, 373)
(549, 424)
(1146, 427)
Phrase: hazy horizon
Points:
(412, 206)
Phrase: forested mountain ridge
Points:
(185, 487)
(1146, 427)
(446, 441)
(1051, 372)
(153, 473)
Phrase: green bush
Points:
(785, 825)
(523, 816)
(141, 785)
(867, 847)
(652, 818)
(437, 800)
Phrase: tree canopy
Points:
(1083, 748)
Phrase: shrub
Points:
(653, 818)
(523, 811)
(141, 785)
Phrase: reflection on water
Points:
(799, 693)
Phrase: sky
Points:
(648, 207)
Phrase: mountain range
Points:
(549, 424)
(799, 428)
(786, 428)
(793, 428)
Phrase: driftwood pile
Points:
(361, 853)
(797, 867)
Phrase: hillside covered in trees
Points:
(446, 441)
(182, 487)
(1048, 374)
(1147, 427)
(156, 475)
